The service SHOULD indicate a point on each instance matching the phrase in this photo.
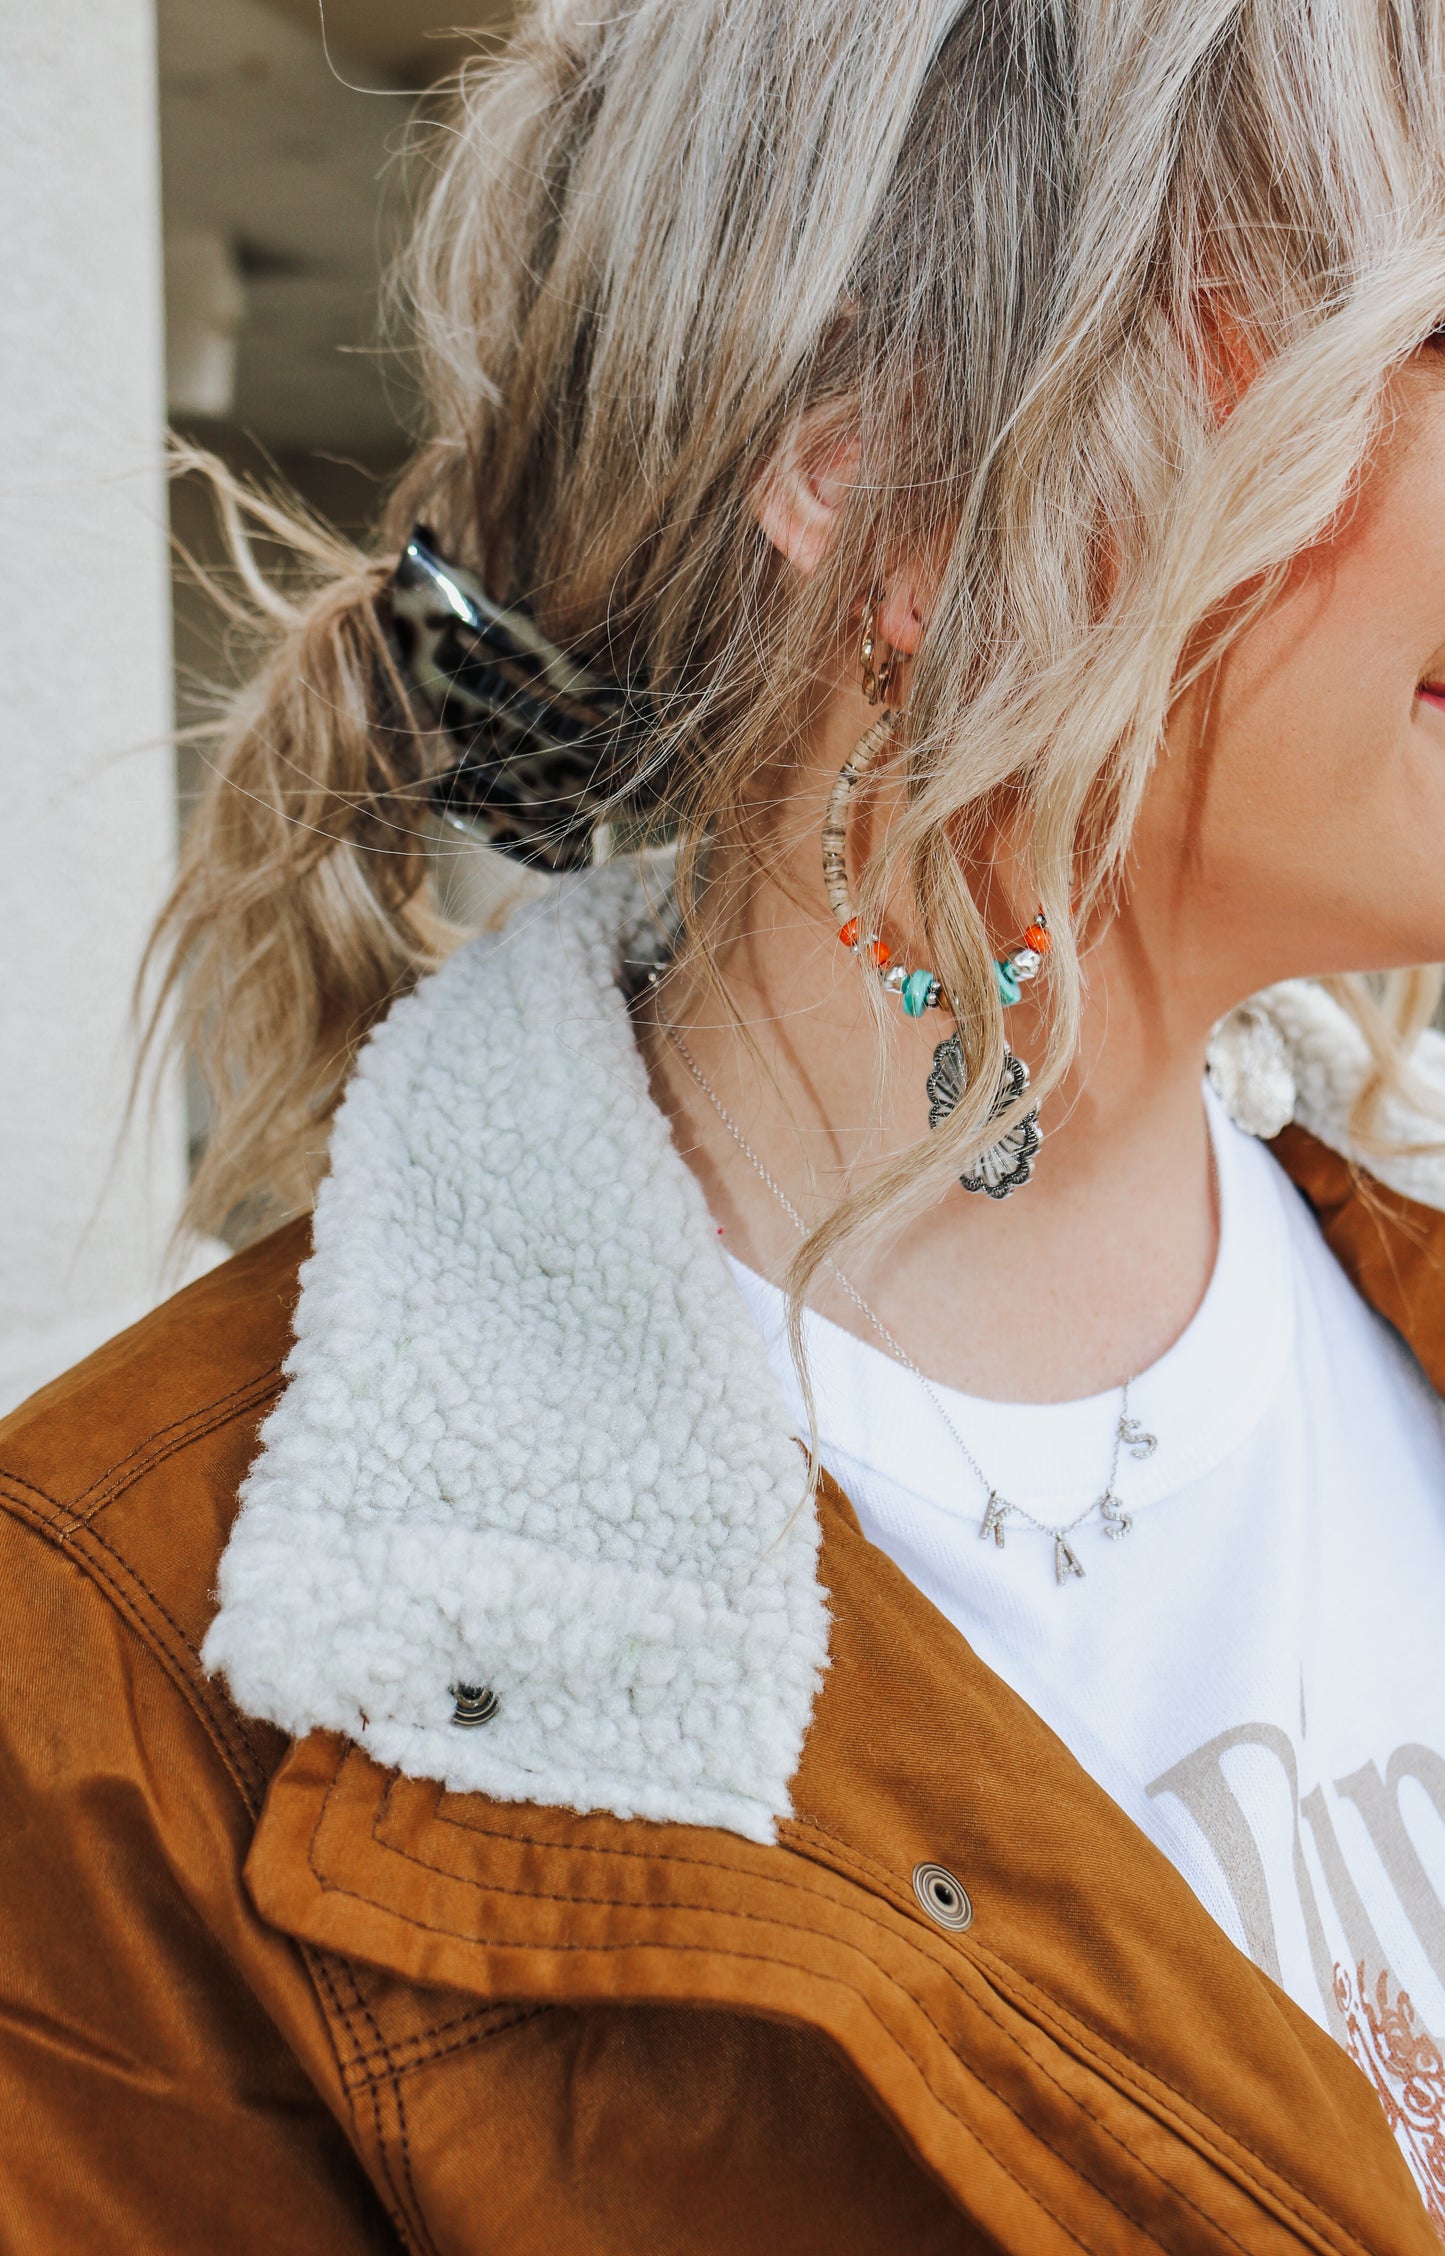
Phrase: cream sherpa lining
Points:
(1328, 1059)
(530, 1438)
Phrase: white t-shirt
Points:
(1256, 1672)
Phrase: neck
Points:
(1083, 1277)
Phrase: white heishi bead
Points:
(1026, 962)
(894, 977)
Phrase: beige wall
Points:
(276, 216)
(85, 664)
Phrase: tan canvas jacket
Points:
(264, 1991)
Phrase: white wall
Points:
(86, 772)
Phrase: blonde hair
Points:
(993, 245)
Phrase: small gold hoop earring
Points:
(879, 664)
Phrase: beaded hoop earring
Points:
(919, 990)
(1005, 1166)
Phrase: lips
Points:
(1432, 693)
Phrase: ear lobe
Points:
(801, 495)
(900, 617)
(1231, 362)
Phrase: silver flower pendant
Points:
(1004, 1167)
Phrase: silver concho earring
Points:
(1003, 1167)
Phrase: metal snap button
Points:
(475, 1703)
(943, 1898)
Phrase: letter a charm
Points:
(1065, 1564)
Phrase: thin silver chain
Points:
(1000, 1508)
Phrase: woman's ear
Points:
(799, 501)
(1231, 361)
(900, 615)
(801, 495)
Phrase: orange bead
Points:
(849, 933)
(1036, 937)
(881, 953)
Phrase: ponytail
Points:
(304, 901)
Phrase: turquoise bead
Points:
(917, 988)
(1008, 984)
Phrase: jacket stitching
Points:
(419, 2037)
(165, 1443)
(239, 1757)
(540, 1841)
(888, 1885)
(841, 1981)
(332, 1887)
(1117, 2139)
(889, 1888)
(138, 1461)
(395, 2204)
(885, 1881)
(1048, 2010)
(498, 2028)
(501, 2021)
(231, 1741)
(225, 1723)
(1002, 1969)
(17, 1483)
(394, 2078)
(1062, 2020)
(653, 1903)
(911, 1942)
(316, 1966)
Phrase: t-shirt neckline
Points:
(1202, 1398)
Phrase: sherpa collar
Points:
(530, 1438)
